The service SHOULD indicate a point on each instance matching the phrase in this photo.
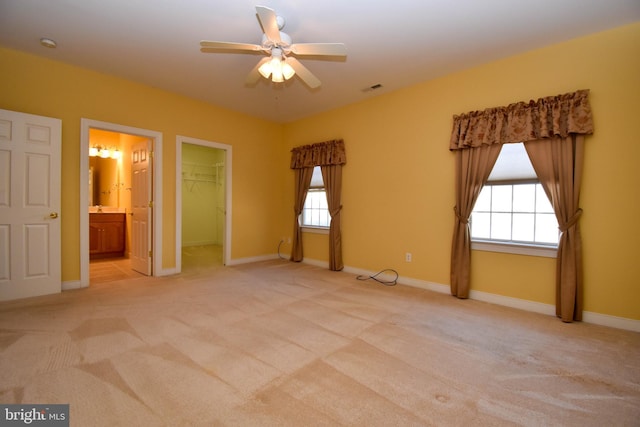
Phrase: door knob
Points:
(53, 215)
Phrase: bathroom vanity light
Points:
(105, 153)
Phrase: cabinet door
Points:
(113, 237)
(95, 238)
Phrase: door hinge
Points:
(151, 154)
(150, 253)
(150, 203)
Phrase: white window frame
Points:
(511, 246)
(317, 186)
(515, 247)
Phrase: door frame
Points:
(226, 239)
(156, 212)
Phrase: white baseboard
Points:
(526, 305)
(201, 243)
(71, 285)
(612, 321)
(522, 304)
(238, 261)
(166, 272)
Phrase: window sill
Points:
(514, 248)
(316, 230)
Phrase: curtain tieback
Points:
(460, 218)
(336, 212)
(572, 221)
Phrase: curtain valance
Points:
(319, 154)
(548, 117)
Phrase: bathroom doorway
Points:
(202, 204)
(108, 194)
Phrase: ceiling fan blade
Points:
(206, 44)
(269, 23)
(321, 49)
(254, 75)
(302, 72)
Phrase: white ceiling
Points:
(394, 43)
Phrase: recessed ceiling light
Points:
(48, 43)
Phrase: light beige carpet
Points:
(283, 344)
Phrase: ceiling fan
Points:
(280, 64)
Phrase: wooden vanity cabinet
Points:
(106, 235)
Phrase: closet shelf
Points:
(195, 173)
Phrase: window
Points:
(315, 212)
(512, 207)
(518, 213)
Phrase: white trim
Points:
(521, 304)
(228, 164)
(517, 303)
(156, 137)
(514, 248)
(71, 285)
(611, 321)
(314, 230)
(248, 260)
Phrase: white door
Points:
(29, 205)
(141, 207)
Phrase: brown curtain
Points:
(330, 155)
(554, 117)
(558, 164)
(332, 177)
(473, 167)
(303, 180)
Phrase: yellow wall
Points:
(398, 184)
(39, 86)
(399, 179)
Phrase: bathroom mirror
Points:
(104, 182)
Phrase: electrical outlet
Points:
(408, 257)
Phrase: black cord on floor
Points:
(375, 277)
(280, 244)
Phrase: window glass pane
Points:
(501, 226)
(546, 228)
(484, 200)
(515, 212)
(523, 227)
(542, 201)
(315, 211)
(324, 218)
(481, 225)
(501, 198)
(524, 197)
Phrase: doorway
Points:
(119, 192)
(203, 201)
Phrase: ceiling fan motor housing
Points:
(285, 41)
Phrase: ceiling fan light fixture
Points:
(265, 69)
(287, 71)
(276, 75)
(277, 69)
